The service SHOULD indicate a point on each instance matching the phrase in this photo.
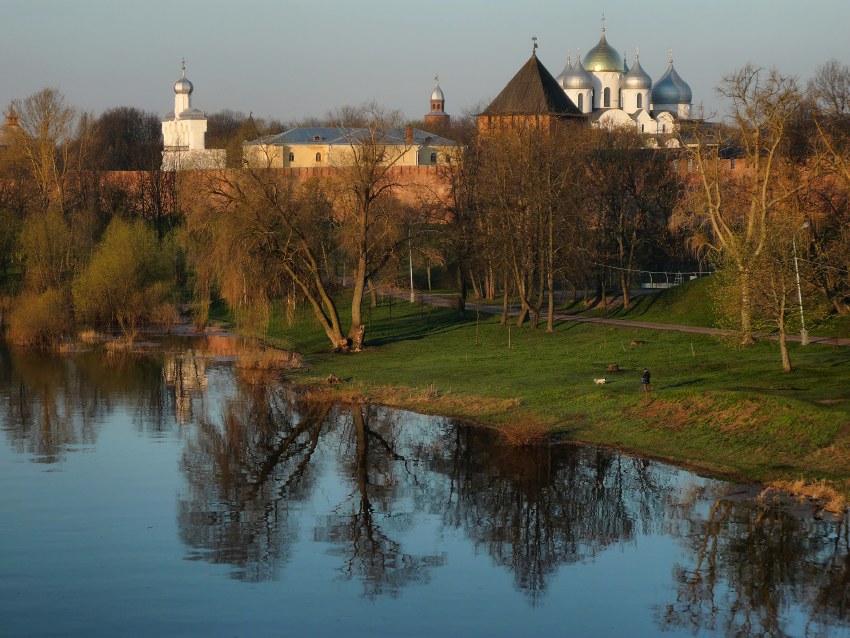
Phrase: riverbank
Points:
(723, 409)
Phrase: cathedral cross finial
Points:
(637, 53)
(671, 56)
(534, 48)
(183, 67)
(437, 80)
(603, 22)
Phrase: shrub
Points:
(127, 280)
(40, 320)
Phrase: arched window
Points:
(292, 157)
(318, 157)
(433, 158)
(606, 97)
(620, 98)
(663, 128)
(641, 126)
(580, 102)
(640, 101)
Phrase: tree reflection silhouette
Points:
(243, 477)
(753, 563)
(360, 526)
(52, 404)
(537, 508)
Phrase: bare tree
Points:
(48, 127)
(630, 191)
(734, 207)
(371, 221)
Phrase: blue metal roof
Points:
(333, 135)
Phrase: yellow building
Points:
(313, 147)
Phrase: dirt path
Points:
(492, 309)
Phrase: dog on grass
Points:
(600, 381)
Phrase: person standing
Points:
(644, 381)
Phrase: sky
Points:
(290, 59)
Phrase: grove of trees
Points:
(94, 233)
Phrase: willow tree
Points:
(734, 206)
(258, 235)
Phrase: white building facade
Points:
(602, 86)
(183, 132)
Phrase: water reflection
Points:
(52, 405)
(244, 475)
(363, 525)
(535, 509)
(753, 563)
(266, 473)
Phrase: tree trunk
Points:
(624, 284)
(373, 294)
(504, 319)
(460, 283)
(746, 309)
(522, 316)
(783, 348)
(475, 289)
(357, 330)
(428, 271)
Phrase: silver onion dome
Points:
(183, 85)
(565, 73)
(637, 78)
(671, 89)
(576, 78)
(437, 93)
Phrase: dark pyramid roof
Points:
(532, 91)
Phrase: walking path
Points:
(436, 300)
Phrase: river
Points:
(176, 494)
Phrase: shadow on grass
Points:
(681, 384)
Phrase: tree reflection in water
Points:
(50, 405)
(753, 563)
(750, 567)
(537, 508)
(361, 525)
(243, 477)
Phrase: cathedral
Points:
(603, 87)
(600, 88)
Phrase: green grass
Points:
(717, 407)
(688, 304)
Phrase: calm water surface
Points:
(176, 495)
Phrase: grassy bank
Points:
(716, 407)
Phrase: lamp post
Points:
(804, 334)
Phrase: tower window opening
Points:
(292, 157)
(580, 102)
(606, 98)
(318, 157)
(433, 158)
(640, 101)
